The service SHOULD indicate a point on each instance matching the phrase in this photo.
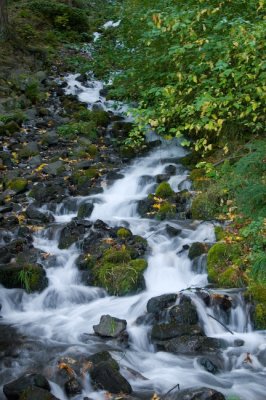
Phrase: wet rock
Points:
(185, 312)
(262, 357)
(48, 191)
(29, 150)
(106, 377)
(162, 178)
(223, 301)
(35, 393)
(197, 249)
(82, 78)
(172, 231)
(103, 356)
(73, 387)
(192, 345)
(35, 161)
(170, 170)
(147, 319)
(110, 326)
(85, 210)
(159, 303)
(31, 277)
(202, 393)
(54, 169)
(169, 331)
(50, 139)
(71, 233)
(13, 390)
(85, 164)
(209, 365)
(204, 296)
(35, 214)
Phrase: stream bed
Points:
(59, 321)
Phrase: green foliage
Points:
(203, 74)
(61, 15)
(17, 116)
(164, 190)
(73, 129)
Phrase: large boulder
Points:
(197, 249)
(106, 377)
(159, 303)
(72, 232)
(185, 312)
(33, 213)
(192, 345)
(201, 393)
(31, 277)
(36, 393)
(13, 390)
(169, 331)
(110, 326)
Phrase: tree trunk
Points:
(3, 18)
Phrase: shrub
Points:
(61, 15)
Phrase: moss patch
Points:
(164, 190)
(223, 264)
(19, 185)
(118, 273)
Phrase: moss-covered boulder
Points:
(197, 249)
(19, 185)
(206, 204)
(257, 291)
(30, 277)
(164, 190)
(224, 265)
(118, 273)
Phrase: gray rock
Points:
(13, 390)
(192, 345)
(73, 387)
(85, 210)
(159, 303)
(35, 161)
(172, 330)
(34, 213)
(110, 326)
(185, 312)
(106, 377)
(54, 168)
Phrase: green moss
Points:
(223, 265)
(73, 129)
(206, 205)
(116, 256)
(80, 177)
(121, 279)
(219, 233)
(123, 233)
(164, 190)
(199, 179)
(26, 152)
(260, 316)
(19, 185)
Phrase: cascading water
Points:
(58, 318)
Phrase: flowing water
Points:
(57, 319)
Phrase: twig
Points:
(225, 327)
(169, 391)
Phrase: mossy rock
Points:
(223, 264)
(260, 316)
(19, 185)
(167, 210)
(30, 277)
(205, 206)
(197, 249)
(124, 233)
(118, 273)
(82, 176)
(164, 190)
(219, 233)
(199, 179)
